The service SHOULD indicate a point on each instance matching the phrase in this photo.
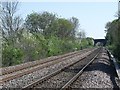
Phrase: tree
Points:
(48, 24)
(90, 41)
(76, 24)
(10, 23)
(42, 35)
(39, 22)
(64, 28)
(81, 34)
(112, 29)
(113, 36)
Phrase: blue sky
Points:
(92, 15)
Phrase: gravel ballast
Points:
(100, 74)
(63, 77)
(29, 78)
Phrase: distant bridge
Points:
(100, 41)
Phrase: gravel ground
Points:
(29, 78)
(62, 78)
(100, 74)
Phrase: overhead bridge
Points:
(100, 42)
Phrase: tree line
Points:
(40, 35)
(113, 36)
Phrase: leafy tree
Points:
(113, 36)
(64, 28)
(54, 46)
(48, 24)
(11, 55)
(10, 28)
(39, 22)
(90, 41)
(42, 35)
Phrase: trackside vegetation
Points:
(40, 35)
(113, 36)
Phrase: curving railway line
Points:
(62, 72)
(23, 69)
(66, 75)
(11, 69)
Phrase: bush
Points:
(11, 55)
(54, 46)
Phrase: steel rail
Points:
(32, 64)
(79, 73)
(30, 70)
(32, 85)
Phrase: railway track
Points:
(96, 75)
(12, 69)
(74, 79)
(63, 77)
(29, 67)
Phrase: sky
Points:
(92, 15)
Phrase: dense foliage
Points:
(113, 36)
(41, 35)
